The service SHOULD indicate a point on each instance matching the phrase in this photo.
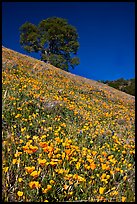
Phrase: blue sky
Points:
(106, 33)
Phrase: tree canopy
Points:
(127, 86)
(55, 40)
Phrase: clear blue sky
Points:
(106, 33)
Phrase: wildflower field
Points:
(64, 137)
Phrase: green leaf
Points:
(56, 40)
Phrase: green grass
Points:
(76, 135)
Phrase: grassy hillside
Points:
(127, 86)
(64, 137)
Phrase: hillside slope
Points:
(74, 132)
(127, 86)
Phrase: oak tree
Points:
(55, 40)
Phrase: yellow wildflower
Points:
(77, 165)
(70, 193)
(123, 199)
(49, 187)
(63, 155)
(125, 178)
(104, 154)
(129, 165)
(105, 167)
(35, 174)
(87, 166)
(121, 171)
(117, 169)
(108, 176)
(5, 169)
(29, 169)
(42, 161)
(14, 161)
(101, 190)
(58, 139)
(52, 182)
(103, 176)
(45, 190)
(20, 180)
(20, 193)
(17, 154)
(114, 193)
(94, 153)
(33, 148)
(92, 166)
(65, 187)
(34, 184)
(23, 129)
(21, 141)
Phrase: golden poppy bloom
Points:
(48, 149)
(52, 163)
(87, 166)
(30, 148)
(42, 161)
(123, 199)
(60, 171)
(110, 157)
(47, 189)
(17, 154)
(20, 193)
(56, 133)
(101, 159)
(28, 151)
(14, 161)
(33, 148)
(63, 155)
(67, 151)
(77, 165)
(81, 179)
(94, 153)
(5, 169)
(65, 99)
(101, 190)
(52, 181)
(117, 169)
(25, 147)
(68, 176)
(43, 144)
(29, 169)
(34, 184)
(21, 141)
(105, 167)
(58, 139)
(125, 178)
(107, 176)
(103, 176)
(104, 154)
(92, 165)
(11, 98)
(78, 178)
(75, 176)
(65, 187)
(20, 180)
(35, 174)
